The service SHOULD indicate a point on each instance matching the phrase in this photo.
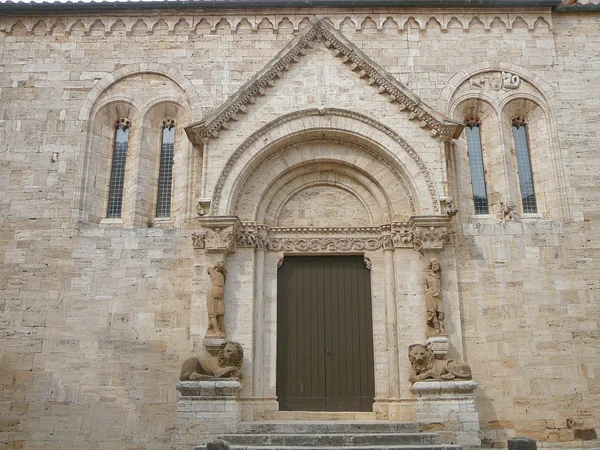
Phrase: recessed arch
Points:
(376, 140)
(459, 78)
(193, 98)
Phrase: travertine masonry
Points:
(97, 316)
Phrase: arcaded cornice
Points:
(62, 5)
(438, 124)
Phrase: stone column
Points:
(258, 332)
(206, 409)
(391, 329)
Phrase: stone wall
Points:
(97, 318)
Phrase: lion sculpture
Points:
(227, 364)
(424, 366)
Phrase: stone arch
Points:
(129, 91)
(135, 69)
(485, 108)
(459, 78)
(541, 100)
(386, 151)
(291, 171)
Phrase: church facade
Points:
(324, 185)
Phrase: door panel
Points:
(324, 334)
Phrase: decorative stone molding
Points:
(439, 125)
(313, 239)
(430, 232)
(209, 23)
(218, 233)
(218, 191)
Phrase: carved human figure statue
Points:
(215, 300)
(226, 364)
(433, 299)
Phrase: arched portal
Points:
(384, 161)
(325, 183)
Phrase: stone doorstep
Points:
(319, 415)
(332, 434)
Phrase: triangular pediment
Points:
(438, 124)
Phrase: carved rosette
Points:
(421, 232)
(218, 234)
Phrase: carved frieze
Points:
(418, 234)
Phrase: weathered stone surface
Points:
(98, 314)
(217, 445)
(522, 443)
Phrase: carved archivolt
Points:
(256, 136)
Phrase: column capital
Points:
(430, 232)
(217, 234)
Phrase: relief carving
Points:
(509, 211)
(227, 364)
(506, 80)
(198, 241)
(312, 239)
(219, 234)
(215, 301)
(433, 299)
(424, 366)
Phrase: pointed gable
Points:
(438, 124)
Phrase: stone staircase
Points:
(334, 434)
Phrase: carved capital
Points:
(219, 233)
(430, 232)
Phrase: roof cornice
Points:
(229, 4)
(438, 124)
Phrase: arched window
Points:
(165, 175)
(117, 171)
(519, 127)
(480, 200)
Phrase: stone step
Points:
(331, 440)
(319, 415)
(361, 447)
(327, 427)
